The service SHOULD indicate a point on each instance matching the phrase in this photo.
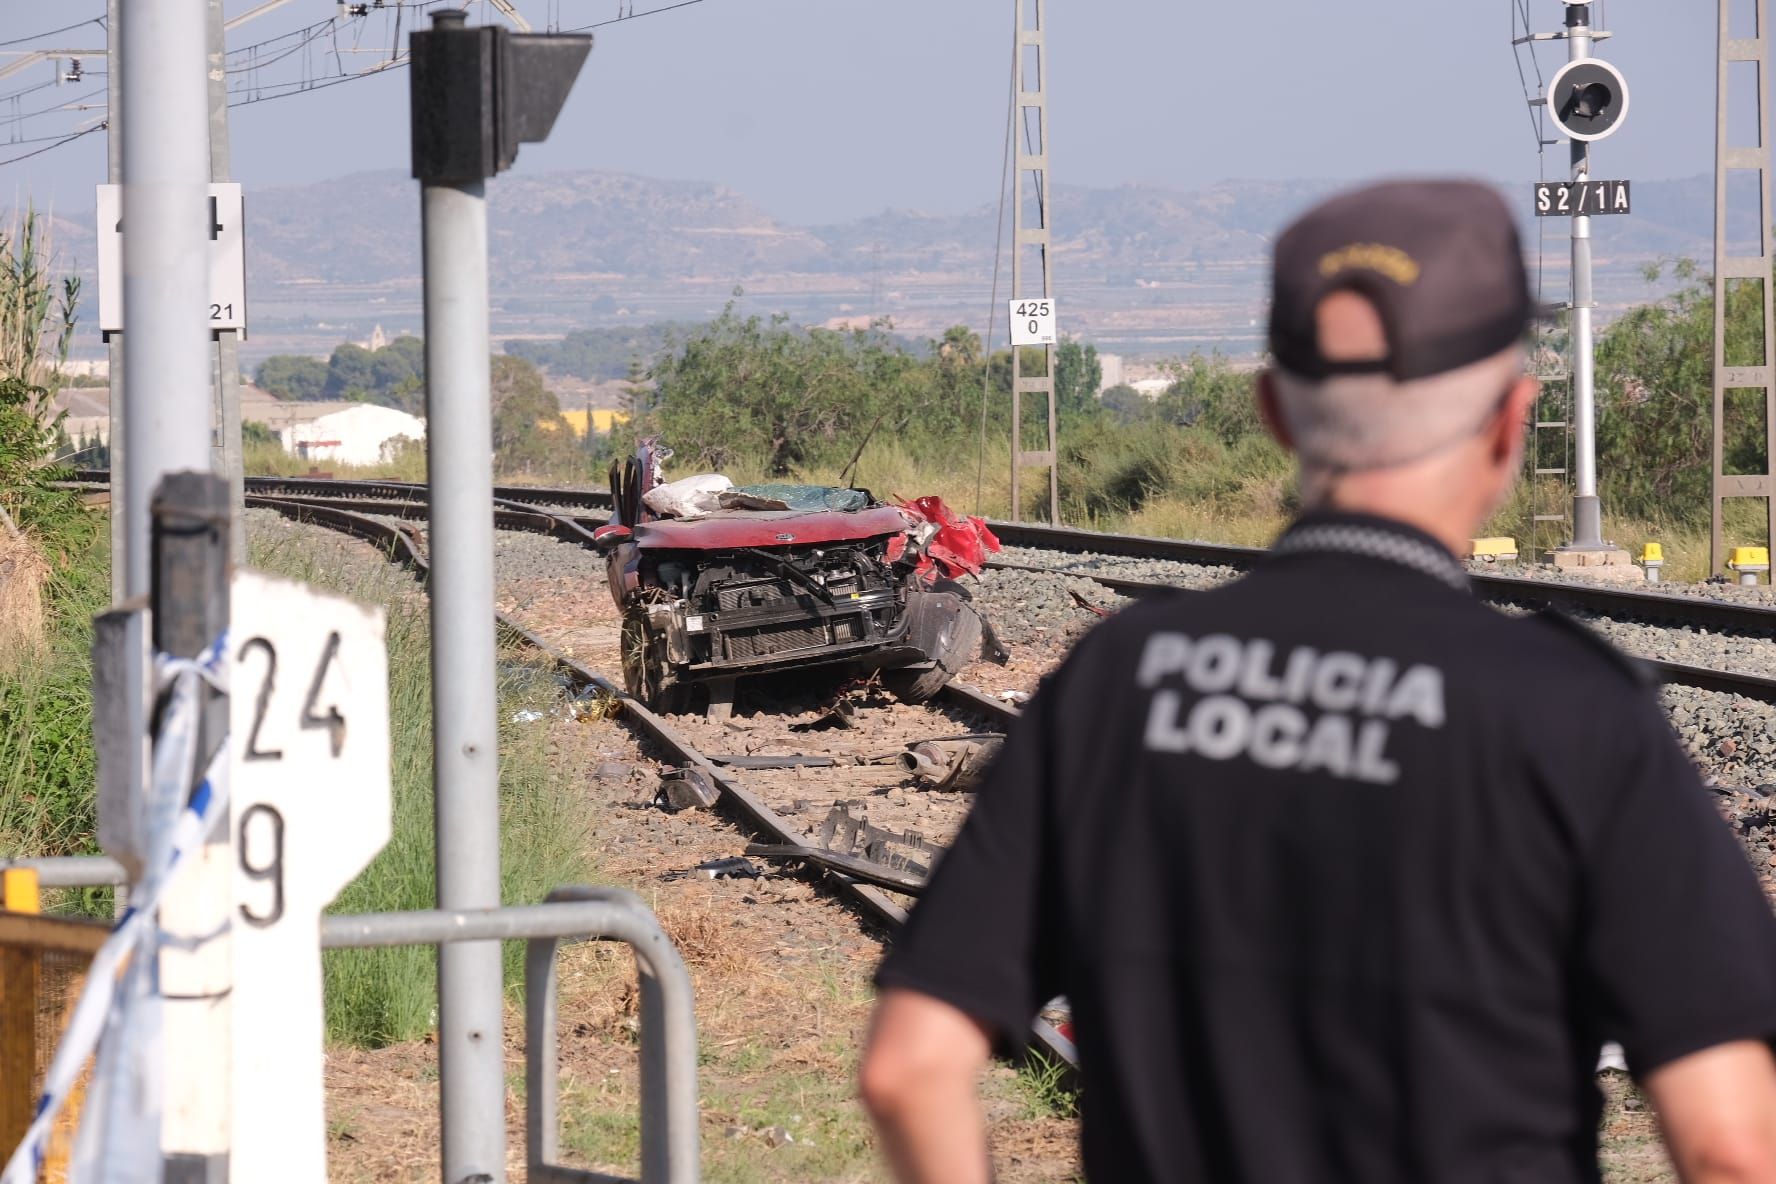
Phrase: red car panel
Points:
(767, 528)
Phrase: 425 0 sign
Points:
(1565, 199)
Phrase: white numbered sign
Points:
(309, 731)
(225, 303)
(1032, 322)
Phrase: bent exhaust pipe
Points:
(954, 765)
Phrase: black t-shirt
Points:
(1346, 877)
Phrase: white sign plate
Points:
(1032, 321)
(226, 303)
(309, 733)
(1559, 199)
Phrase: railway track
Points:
(1601, 600)
(765, 795)
(1702, 678)
(527, 508)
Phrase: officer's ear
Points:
(1271, 412)
(1512, 421)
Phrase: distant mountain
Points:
(1137, 266)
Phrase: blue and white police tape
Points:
(173, 826)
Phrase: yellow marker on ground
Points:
(1493, 550)
(1652, 558)
(1748, 562)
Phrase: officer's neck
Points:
(1445, 515)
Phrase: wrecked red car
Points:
(751, 580)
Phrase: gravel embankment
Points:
(1690, 645)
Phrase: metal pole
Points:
(459, 462)
(1587, 515)
(166, 158)
(118, 454)
(166, 168)
(226, 453)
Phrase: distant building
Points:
(343, 433)
(89, 413)
(1112, 372)
(1151, 388)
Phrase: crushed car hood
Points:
(729, 529)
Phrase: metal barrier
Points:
(669, 1119)
(670, 1148)
(43, 960)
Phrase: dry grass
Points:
(24, 575)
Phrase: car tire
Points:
(645, 673)
(917, 684)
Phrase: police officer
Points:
(1345, 875)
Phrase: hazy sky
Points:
(827, 109)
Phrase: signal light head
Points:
(1588, 99)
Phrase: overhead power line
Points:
(245, 62)
(632, 16)
(52, 147)
(97, 20)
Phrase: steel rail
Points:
(1701, 678)
(1602, 600)
(1496, 589)
(403, 546)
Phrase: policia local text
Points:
(1250, 703)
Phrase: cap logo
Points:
(1392, 262)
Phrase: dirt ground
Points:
(781, 974)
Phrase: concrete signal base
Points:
(1611, 564)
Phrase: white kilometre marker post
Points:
(1032, 321)
(311, 809)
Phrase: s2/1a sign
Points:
(225, 303)
(1032, 321)
(1563, 199)
(309, 733)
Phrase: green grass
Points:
(377, 997)
(270, 460)
(830, 1135)
(47, 767)
(1046, 1087)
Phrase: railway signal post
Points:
(1587, 100)
(476, 94)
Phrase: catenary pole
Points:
(1030, 136)
(114, 441)
(165, 165)
(226, 451)
(1587, 516)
